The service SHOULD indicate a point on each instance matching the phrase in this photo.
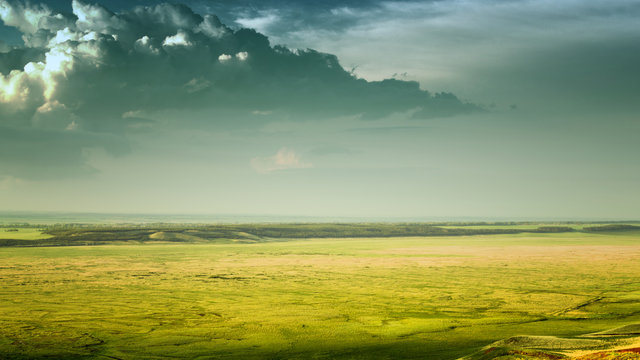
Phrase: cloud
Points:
(195, 85)
(81, 71)
(284, 159)
(242, 55)
(102, 64)
(179, 39)
(22, 16)
(491, 51)
(261, 22)
(96, 18)
(145, 45)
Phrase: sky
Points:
(511, 109)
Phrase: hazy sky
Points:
(442, 108)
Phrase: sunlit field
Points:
(383, 298)
(22, 234)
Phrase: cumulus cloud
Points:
(22, 16)
(145, 45)
(82, 71)
(284, 159)
(507, 39)
(212, 27)
(96, 18)
(179, 39)
(150, 52)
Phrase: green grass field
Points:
(374, 298)
(23, 234)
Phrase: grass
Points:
(383, 298)
(21, 233)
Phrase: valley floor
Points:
(350, 298)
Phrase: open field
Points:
(102, 234)
(23, 233)
(351, 298)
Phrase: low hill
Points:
(622, 343)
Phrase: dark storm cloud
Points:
(100, 65)
(539, 54)
(96, 71)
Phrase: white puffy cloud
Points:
(284, 159)
(212, 27)
(36, 82)
(241, 56)
(21, 16)
(96, 18)
(145, 45)
(64, 35)
(13, 87)
(179, 39)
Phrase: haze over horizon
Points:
(398, 109)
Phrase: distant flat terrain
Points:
(103, 234)
(20, 233)
(440, 297)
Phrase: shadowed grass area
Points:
(352, 298)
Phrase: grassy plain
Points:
(23, 234)
(382, 298)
